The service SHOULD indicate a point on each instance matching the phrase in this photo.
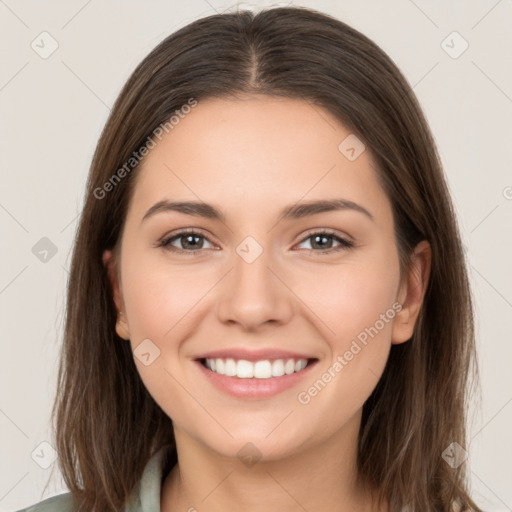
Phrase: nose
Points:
(255, 294)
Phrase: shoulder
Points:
(60, 503)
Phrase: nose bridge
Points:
(254, 295)
(251, 265)
(252, 275)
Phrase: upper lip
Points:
(252, 355)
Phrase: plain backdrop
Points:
(53, 108)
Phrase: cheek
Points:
(160, 299)
(351, 297)
(162, 304)
(354, 305)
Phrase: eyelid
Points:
(327, 231)
(181, 231)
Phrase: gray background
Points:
(52, 112)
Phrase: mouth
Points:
(256, 379)
(263, 369)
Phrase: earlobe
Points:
(411, 294)
(111, 265)
(122, 327)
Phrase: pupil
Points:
(187, 238)
(321, 237)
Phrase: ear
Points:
(411, 293)
(111, 265)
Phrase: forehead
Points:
(255, 153)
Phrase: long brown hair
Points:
(107, 425)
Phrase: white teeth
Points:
(230, 367)
(219, 366)
(263, 369)
(289, 366)
(244, 369)
(300, 365)
(277, 368)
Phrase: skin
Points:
(250, 158)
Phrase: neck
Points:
(322, 477)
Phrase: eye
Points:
(321, 240)
(192, 242)
(188, 238)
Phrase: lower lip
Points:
(254, 388)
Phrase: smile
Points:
(254, 380)
(262, 369)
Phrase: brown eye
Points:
(190, 241)
(324, 240)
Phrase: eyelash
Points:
(165, 243)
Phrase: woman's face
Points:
(251, 285)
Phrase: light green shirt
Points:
(145, 496)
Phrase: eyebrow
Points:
(295, 211)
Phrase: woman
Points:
(217, 355)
